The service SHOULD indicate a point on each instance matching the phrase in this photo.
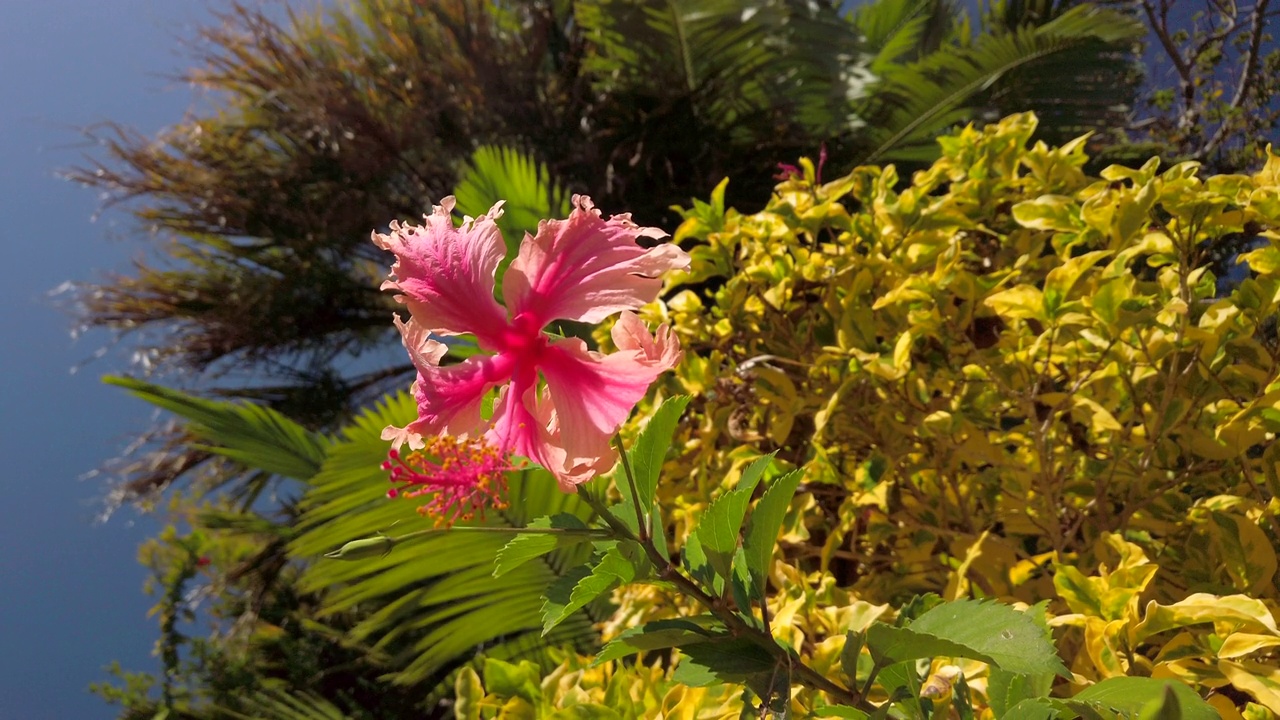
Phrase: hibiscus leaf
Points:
(523, 548)
(719, 525)
(651, 447)
(659, 534)
(1133, 694)
(659, 635)
(722, 660)
(695, 561)
(889, 644)
(981, 630)
(740, 584)
(766, 520)
(1032, 709)
(620, 564)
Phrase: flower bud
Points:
(379, 545)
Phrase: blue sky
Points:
(70, 589)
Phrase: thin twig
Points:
(1257, 23)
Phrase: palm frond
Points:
(734, 60)
(918, 102)
(432, 603)
(530, 193)
(895, 32)
(281, 705)
(255, 436)
(1102, 75)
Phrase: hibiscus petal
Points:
(586, 268)
(515, 426)
(661, 349)
(401, 436)
(449, 397)
(445, 274)
(423, 351)
(526, 425)
(594, 393)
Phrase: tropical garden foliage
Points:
(1004, 382)
(329, 126)
(988, 432)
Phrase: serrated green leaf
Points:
(1006, 689)
(661, 634)
(625, 513)
(889, 644)
(1010, 638)
(1032, 709)
(559, 595)
(651, 449)
(915, 607)
(766, 520)
(1081, 709)
(902, 683)
(963, 701)
(523, 548)
(659, 533)
(719, 525)
(853, 642)
(616, 567)
(1132, 694)
(721, 660)
(741, 584)
(1166, 708)
(695, 561)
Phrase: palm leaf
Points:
(255, 436)
(735, 61)
(895, 32)
(921, 100)
(281, 705)
(432, 604)
(502, 173)
(1101, 74)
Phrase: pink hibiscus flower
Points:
(558, 403)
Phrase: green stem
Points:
(381, 544)
(572, 532)
(736, 625)
(871, 677)
(603, 511)
(642, 517)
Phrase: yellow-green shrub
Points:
(1007, 379)
(580, 691)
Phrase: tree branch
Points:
(1159, 20)
(1257, 23)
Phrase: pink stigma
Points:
(458, 478)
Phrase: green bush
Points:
(1005, 379)
(1013, 425)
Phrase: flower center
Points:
(524, 338)
(460, 478)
